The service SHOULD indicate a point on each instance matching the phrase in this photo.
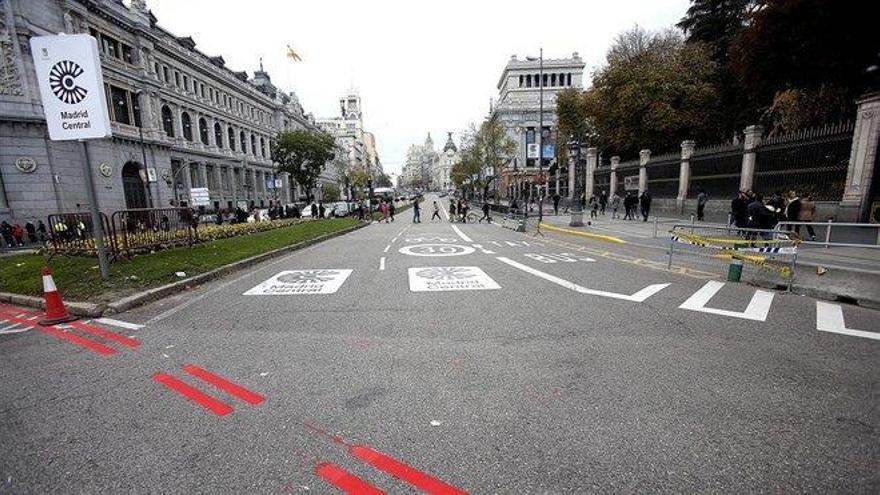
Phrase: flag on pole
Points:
(293, 55)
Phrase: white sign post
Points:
(68, 69)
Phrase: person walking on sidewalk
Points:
(739, 213)
(417, 211)
(556, 204)
(702, 199)
(436, 212)
(628, 201)
(485, 214)
(603, 201)
(451, 210)
(807, 213)
(463, 208)
(615, 205)
(645, 203)
(391, 209)
(594, 206)
(383, 211)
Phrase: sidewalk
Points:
(837, 273)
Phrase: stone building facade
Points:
(518, 107)
(357, 145)
(181, 119)
(443, 171)
(420, 166)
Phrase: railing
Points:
(858, 235)
(151, 228)
(72, 233)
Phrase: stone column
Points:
(612, 188)
(592, 164)
(751, 141)
(178, 122)
(863, 157)
(187, 180)
(684, 175)
(572, 169)
(644, 158)
(203, 174)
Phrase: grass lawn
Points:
(79, 279)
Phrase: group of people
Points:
(14, 235)
(386, 210)
(749, 210)
(632, 203)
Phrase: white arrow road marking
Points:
(484, 250)
(757, 309)
(382, 263)
(639, 296)
(829, 318)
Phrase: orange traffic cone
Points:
(55, 311)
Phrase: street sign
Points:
(533, 150)
(549, 151)
(631, 183)
(151, 174)
(71, 83)
(200, 196)
(277, 183)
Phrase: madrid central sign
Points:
(71, 85)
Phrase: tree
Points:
(303, 154)
(822, 48)
(717, 24)
(493, 147)
(653, 92)
(382, 180)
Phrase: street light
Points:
(577, 214)
(540, 132)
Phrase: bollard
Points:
(735, 271)
(656, 220)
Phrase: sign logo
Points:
(62, 79)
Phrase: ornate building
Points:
(518, 108)
(181, 118)
(421, 163)
(443, 172)
(357, 145)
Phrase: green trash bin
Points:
(735, 270)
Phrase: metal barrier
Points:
(514, 220)
(71, 233)
(142, 229)
(861, 235)
(763, 256)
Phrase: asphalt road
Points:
(467, 358)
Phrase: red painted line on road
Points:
(61, 334)
(107, 334)
(344, 480)
(411, 475)
(193, 394)
(224, 384)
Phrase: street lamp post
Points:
(138, 94)
(577, 214)
(540, 134)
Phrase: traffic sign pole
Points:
(97, 224)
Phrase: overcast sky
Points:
(418, 66)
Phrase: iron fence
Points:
(142, 229)
(663, 176)
(811, 162)
(716, 170)
(72, 233)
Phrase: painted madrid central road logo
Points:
(62, 79)
(301, 282)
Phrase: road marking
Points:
(344, 480)
(482, 249)
(757, 309)
(449, 278)
(829, 318)
(14, 328)
(225, 385)
(210, 403)
(639, 296)
(300, 282)
(393, 240)
(387, 248)
(551, 258)
(119, 323)
(61, 334)
(382, 263)
(100, 332)
(436, 250)
(401, 471)
(461, 234)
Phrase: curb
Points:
(92, 310)
(598, 237)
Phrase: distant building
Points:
(519, 89)
(443, 172)
(421, 163)
(204, 125)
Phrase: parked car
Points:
(340, 209)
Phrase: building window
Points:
(212, 178)
(167, 121)
(203, 130)
(187, 126)
(243, 141)
(224, 178)
(109, 46)
(218, 135)
(520, 81)
(127, 54)
(552, 79)
(165, 73)
(120, 106)
(177, 79)
(253, 145)
(568, 79)
(185, 82)
(4, 204)
(156, 70)
(231, 134)
(544, 80)
(194, 175)
(263, 147)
